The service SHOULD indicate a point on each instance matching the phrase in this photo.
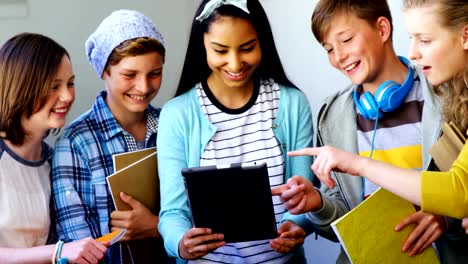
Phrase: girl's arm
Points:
(405, 183)
(85, 250)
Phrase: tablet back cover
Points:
(234, 201)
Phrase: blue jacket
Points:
(183, 134)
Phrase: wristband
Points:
(59, 251)
(54, 255)
(62, 261)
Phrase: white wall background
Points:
(70, 22)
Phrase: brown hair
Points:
(134, 47)
(28, 65)
(452, 15)
(368, 10)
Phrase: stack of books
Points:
(136, 174)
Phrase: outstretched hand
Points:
(330, 159)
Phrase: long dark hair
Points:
(195, 66)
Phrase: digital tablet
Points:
(234, 200)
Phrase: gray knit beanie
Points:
(118, 27)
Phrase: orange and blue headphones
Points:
(389, 96)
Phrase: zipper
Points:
(321, 144)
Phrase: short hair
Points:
(28, 65)
(134, 47)
(196, 68)
(368, 10)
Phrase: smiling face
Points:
(356, 48)
(132, 84)
(439, 51)
(233, 52)
(58, 103)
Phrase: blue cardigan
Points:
(183, 134)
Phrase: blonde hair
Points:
(452, 15)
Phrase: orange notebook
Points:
(113, 237)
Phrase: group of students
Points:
(234, 103)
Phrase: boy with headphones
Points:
(389, 113)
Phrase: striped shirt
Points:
(245, 135)
(398, 137)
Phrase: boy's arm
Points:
(72, 189)
(333, 207)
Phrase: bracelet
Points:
(62, 261)
(54, 255)
(59, 251)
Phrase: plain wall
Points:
(70, 22)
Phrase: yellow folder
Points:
(367, 232)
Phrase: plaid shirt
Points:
(81, 162)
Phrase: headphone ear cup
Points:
(366, 105)
(390, 95)
(387, 96)
(371, 107)
(357, 102)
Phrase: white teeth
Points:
(352, 66)
(138, 97)
(235, 74)
(60, 110)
